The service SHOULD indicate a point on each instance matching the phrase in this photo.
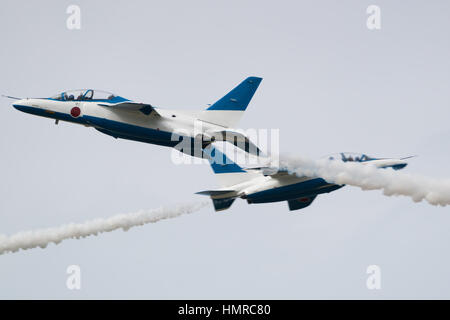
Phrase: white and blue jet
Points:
(187, 131)
(266, 184)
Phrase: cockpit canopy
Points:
(350, 157)
(87, 95)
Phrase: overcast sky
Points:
(330, 84)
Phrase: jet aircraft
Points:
(122, 118)
(395, 164)
(264, 184)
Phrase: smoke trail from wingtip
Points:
(368, 177)
(42, 237)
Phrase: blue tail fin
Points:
(227, 172)
(238, 98)
(219, 162)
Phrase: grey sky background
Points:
(330, 85)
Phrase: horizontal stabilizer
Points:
(146, 109)
(301, 203)
(214, 192)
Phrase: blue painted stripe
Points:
(49, 114)
(124, 131)
(398, 166)
(109, 127)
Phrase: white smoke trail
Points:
(42, 237)
(369, 177)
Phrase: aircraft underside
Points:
(298, 195)
(308, 188)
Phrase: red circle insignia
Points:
(75, 112)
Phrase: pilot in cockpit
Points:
(68, 97)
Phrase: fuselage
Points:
(260, 187)
(263, 189)
(275, 190)
(166, 129)
(187, 131)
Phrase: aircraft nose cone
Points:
(24, 105)
(21, 104)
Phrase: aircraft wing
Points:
(146, 109)
(237, 139)
(268, 171)
(215, 192)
